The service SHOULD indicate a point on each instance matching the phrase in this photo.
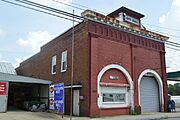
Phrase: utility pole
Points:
(72, 68)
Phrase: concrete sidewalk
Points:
(22, 115)
(147, 116)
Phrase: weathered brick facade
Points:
(96, 46)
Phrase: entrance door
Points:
(3, 96)
(76, 103)
(149, 95)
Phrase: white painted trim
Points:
(73, 86)
(160, 84)
(53, 63)
(64, 59)
(127, 75)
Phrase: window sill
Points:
(63, 71)
(104, 108)
(114, 103)
(53, 73)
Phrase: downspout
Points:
(89, 57)
(132, 76)
(164, 80)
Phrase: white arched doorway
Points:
(130, 90)
(150, 91)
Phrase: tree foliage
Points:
(174, 89)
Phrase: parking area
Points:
(24, 115)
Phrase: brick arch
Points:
(127, 75)
(160, 84)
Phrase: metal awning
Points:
(173, 76)
(22, 79)
(173, 79)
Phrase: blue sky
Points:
(23, 31)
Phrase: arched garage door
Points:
(149, 95)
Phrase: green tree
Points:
(174, 89)
(171, 90)
(177, 88)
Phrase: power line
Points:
(173, 45)
(59, 12)
(27, 2)
(161, 27)
(172, 48)
(69, 5)
(83, 7)
(173, 42)
(78, 6)
(39, 10)
(165, 33)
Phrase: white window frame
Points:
(64, 61)
(53, 63)
(120, 102)
(114, 90)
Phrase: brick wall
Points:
(97, 45)
(134, 53)
(39, 65)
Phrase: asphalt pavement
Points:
(23, 115)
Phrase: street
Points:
(172, 119)
(24, 115)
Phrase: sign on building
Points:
(56, 94)
(2, 88)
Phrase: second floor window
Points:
(53, 65)
(64, 61)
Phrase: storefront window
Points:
(114, 97)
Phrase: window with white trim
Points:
(64, 61)
(114, 97)
(53, 65)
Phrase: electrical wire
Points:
(172, 48)
(39, 10)
(167, 34)
(68, 5)
(78, 6)
(27, 2)
(162, 27)
(173, 45)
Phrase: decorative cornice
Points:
(94, 16)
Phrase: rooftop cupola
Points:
(126, 15)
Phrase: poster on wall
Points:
(56, 97)
(2, 88)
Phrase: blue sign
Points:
(58, 97)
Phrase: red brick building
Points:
(119, 66)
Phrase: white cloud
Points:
(2, 33)
(176, 3)
(162, 18)
(35, 40)
(171, 20)
(18, 61)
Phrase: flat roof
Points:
(173, 74)
(21, 79)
